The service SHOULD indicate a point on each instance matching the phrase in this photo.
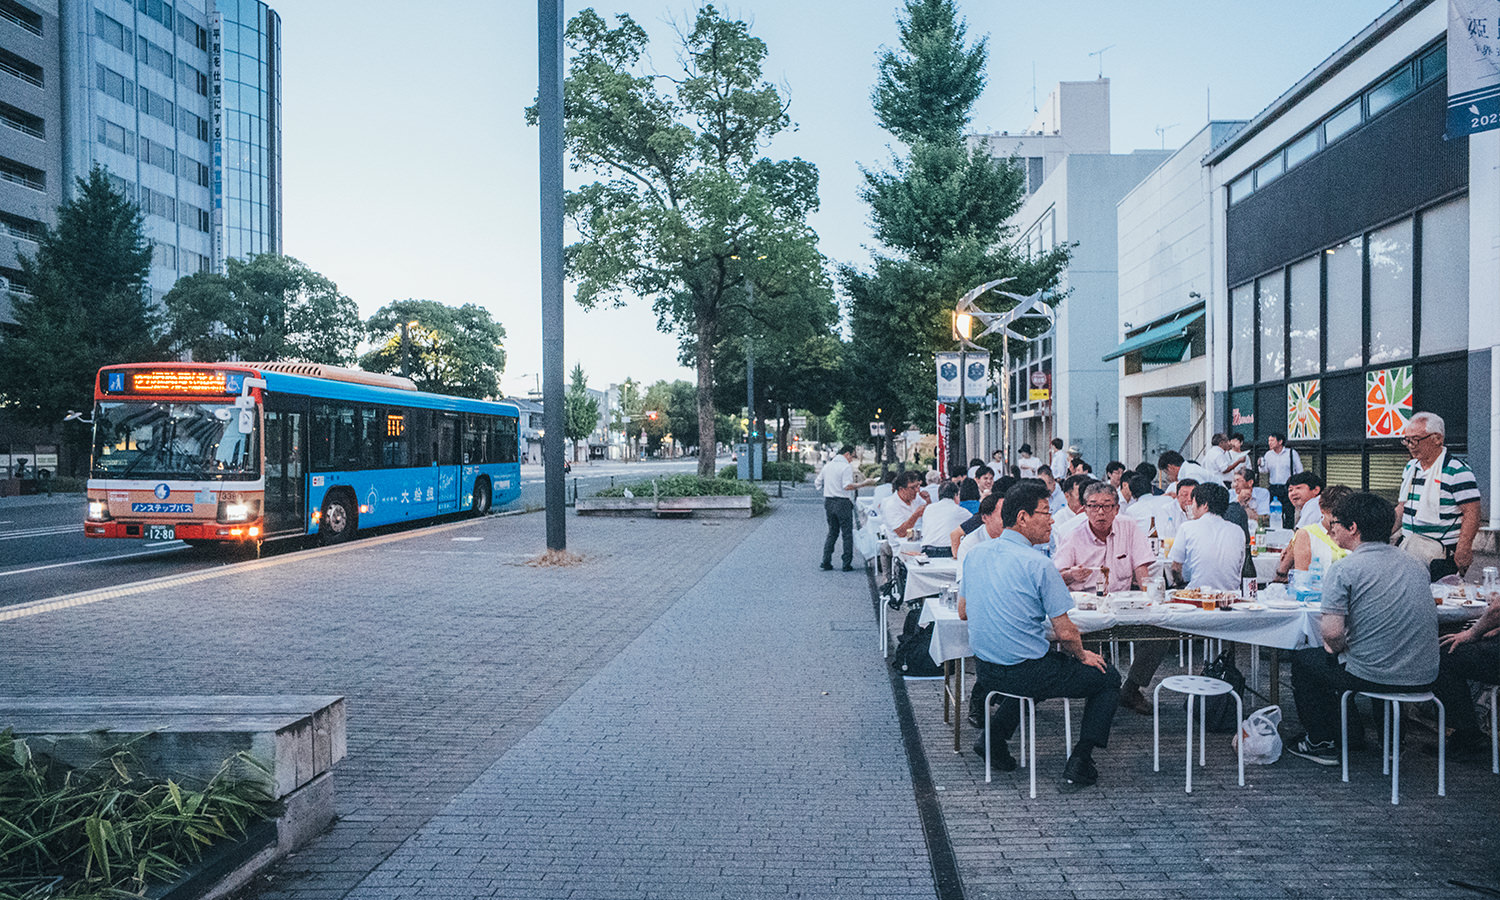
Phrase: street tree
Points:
(940, 210)
(457, 350)
(267, 308)
(580, 411)
(86, 306)
(689, 210)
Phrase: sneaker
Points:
(1000, 758)
(1324, 753)
(1080, 772)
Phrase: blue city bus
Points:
(246, 452)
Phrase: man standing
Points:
(1379, 629)
(1059, 461)
(1281, 463)
(1011, 593)
(1110, 551)
(1439, 512)
(1305, 490)
(840, 486)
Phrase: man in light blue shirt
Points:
(1011, 594)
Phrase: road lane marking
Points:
(40, 532)
(80, 562)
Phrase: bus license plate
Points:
(161, 533)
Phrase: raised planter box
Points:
(712, 507)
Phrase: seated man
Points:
(900, 511)
(1011, 592)
(939, 519)
(1055, 498)
(1315, 541)
(1379, 629)
(1469, 655)
(990, 527)
(1304, 489)
(1208, 552)
(1107, 540)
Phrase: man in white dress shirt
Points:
(840, 485)
(1304, 489)
(1281, 463)
(1059, 462)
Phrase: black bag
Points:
(1222, 715)
(913, 654)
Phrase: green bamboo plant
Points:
(109, 830)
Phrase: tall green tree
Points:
(87, 307)
(267, 308)
(689, 210)
(940, 211)
(580, 411)
(457, 350)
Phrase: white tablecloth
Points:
(927, 577)
(1288, 629)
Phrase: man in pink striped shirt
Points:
(1108, 540)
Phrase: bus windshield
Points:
(173, 440)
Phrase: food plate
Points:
(1180, 607)
(1473, 603)
(1283, 604)
(1248, 607)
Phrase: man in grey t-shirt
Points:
(1379, 628)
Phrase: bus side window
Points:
(419, 436)
(371, 436)
(473, 439)
(448, 446)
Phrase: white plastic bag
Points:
(867, 540)
(1262, 740)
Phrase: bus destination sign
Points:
(172, 381)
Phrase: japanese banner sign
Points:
(1473, 67)
(949, 378)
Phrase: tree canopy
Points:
(925, 91)
(689, 209)
(87, 307)
(267, 308)
(457, 350)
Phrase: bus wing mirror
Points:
(244, 400)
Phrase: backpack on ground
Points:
(1222, 716)
(913, 656)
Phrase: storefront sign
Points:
(1036, 394)
(1473, 66)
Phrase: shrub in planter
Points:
(693, 486)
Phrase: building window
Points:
(1390, 252)
(20, 67)
(1268, 171)
(116, 136)
(112, 32)
(193, 217)
(158, 10)
(193, 262)
(1445, 278)
(1301, 148)
(1341, 122)
(20, 227)
(158, 204)
(1395, 88)
(192, 79)
(20, 15)
(115, 85)
(192, 170)
(192, 125)
(158, 155)
(164, 256)
(1242, 334)
(1435, 64)
(1241, 187)
(22, 174)
(1305, 301)
(1345, 304)
(151, 55)
(1268, 292)
(191, 32)
(22, 121)
(155, 105)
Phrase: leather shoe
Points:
(1000, 758)
(848, 568)
(1080, 772)
(1132, 698)
(827, 567)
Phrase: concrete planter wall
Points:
(713, 507)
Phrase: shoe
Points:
(827, 567)
(1000, 758)
(1463, 745)
(1080, 772)
(1324, 753)
(1132, 698)
(848, 568)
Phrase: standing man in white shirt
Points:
(1059, 462)
(1304, 489)
(1281, 463)
(1028, 464)
(840, 486)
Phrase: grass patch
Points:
(109, 830)
(791, 470)
(694, 486)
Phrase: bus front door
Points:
(284, 503)
(447, 461)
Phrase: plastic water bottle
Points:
(1315, 580)
(1276, 512)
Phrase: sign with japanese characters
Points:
(1473, 66)
(949, 377)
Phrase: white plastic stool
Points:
(1028, 709)
(1193, 686)
(1390, 741)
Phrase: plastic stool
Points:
(1028, 708)
(1193, 686)
(1390, 741)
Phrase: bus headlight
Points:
(238, 510)
(98, 510)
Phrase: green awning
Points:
(1173, 332)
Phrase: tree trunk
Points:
(786, 425)
(708, 444)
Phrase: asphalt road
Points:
(43, 552)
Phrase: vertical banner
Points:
(949, 378)
(976, 375)
(216, 133)
(942, 440)
(1473, 67)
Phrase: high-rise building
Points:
(179, 101)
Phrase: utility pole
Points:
(550, 108)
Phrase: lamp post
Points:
(406, 347)
(1032, 309)
(750, 374)
(963, 328)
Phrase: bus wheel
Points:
(481, 503)
(337, 522)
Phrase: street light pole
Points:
(550, 120)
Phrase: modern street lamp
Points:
(750, 377)
(406, 347)
(1031, 308)
(963, 329)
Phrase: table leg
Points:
(1275, 676)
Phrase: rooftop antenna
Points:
(1208, 101)
(1161, 132)
(1033, 87)
(1100, 53)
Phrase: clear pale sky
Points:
(409, 171)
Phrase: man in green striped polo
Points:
(1439, 511)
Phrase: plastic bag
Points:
(867, 541)
(1262, 740)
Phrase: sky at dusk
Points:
(410, 172)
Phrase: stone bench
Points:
(294, 740)
(720, 507)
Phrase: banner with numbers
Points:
(1473, 67)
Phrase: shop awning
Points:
(1159, 343)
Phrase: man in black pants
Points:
(840, 486)
(1469, 655)
(1011, 591)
